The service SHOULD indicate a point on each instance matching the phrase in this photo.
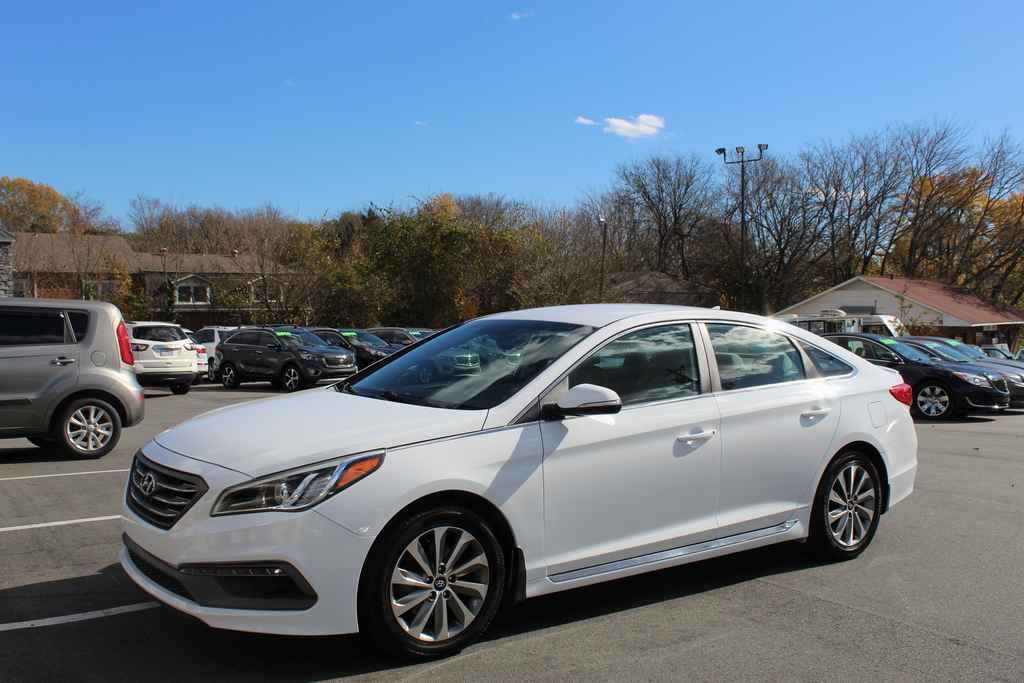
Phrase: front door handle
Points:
(62, 360)
(696, 437)
(815, 412)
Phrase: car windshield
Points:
(302, 337)
(474, 366)
(945, 351)
(365, 337)
(906, 350)
(968, 350)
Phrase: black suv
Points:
(368, 348)
(941, 389)
(290, 359)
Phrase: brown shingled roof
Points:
(949, 300)
(67, 253)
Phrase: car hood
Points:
(270, 435)
(975, 369)
(324, 350)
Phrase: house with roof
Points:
(191, 289)
(922, 305)
(6, 263)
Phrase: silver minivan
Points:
(67, 378)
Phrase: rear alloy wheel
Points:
(291, 380)
(847, 507)
(181, 389)
(229, 376)
(89, 428)
(933, 401)
(433, 585)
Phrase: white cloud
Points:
(585, 121)
(641, 126)
(289, 83)
(419, 124)
(519, 15)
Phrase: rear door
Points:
(778, 421)
(38, 363)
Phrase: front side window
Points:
(29, 328)
(475, 366)
(652, 364)
(752, 357)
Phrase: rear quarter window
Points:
(825, 363)
(79, 324)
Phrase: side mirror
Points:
(274, 347)
(584, 399)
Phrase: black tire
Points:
(212, 374)
(823, 540)
(229, 376)
(291, 379)
(43, 441)
(378, 622)
(63, 439)
(924, 388)
(181, 389)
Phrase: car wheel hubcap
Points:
(229, 375)
(439, 584)
(850, 507)
(291, 378)
(90, 428)
(933, 401)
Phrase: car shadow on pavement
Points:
(161, 644)
(35, 454)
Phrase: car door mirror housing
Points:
(584, 399)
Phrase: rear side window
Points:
(242, 338)
(652, 364)
(29, 328)
(79, 323)
(826, 364)
(158, 333)
(752, 357)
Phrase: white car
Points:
(616, 445)
(164, 355)
(210, 337)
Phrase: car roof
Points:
(29, 302)
(864, 335)
(150, 323)
(600, 315)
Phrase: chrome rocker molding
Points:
(672, 553)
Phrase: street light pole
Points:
(604, 247)
(742, 160)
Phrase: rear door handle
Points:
(815, 412)
(695, 437)
(62, 360)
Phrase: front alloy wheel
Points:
(933, 401)
(432, 584)
(291, 380)
(439, 584)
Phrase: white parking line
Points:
(65, 474)
(61, 523)
(81, 616)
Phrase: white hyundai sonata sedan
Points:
(594, 442)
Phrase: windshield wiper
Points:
(348, 388)
(394, 396)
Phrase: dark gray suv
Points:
(67, 378)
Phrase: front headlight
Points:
(298, 489)
(976, 380)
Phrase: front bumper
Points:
(316, 370)
(326, 556)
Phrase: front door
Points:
(38, 362)
(778, 422)
(643, 480)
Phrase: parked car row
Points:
(949, 377)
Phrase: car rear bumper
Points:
(155, 379)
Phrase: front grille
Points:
(1000, 385)
(337, 362)
(159, 494)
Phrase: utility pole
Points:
(742, 160)
(604, 248)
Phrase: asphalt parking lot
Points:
(938, 595)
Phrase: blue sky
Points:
(319, 107)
